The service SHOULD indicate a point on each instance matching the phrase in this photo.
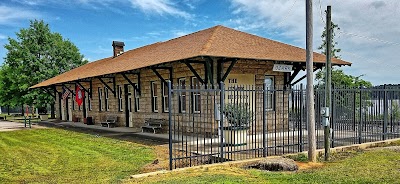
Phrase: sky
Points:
(369, 33)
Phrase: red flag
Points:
(78, 95)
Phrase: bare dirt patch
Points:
(309, 165)
(161, 162)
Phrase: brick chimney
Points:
(118, 48)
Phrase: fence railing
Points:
(218, 123)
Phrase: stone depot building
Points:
(132, 84)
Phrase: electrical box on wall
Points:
(325, 116)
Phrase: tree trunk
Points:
(22, 110)
(8, 109)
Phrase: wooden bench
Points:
(153, 124)
(110, 122)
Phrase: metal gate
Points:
(218, 123)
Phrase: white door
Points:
(70, 109)
(63, 110)
(87, 104)
(130, 105)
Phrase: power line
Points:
(320, 12)
(370, 38)
(379, 63)
(287, 15)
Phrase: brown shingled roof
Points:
(218, 41)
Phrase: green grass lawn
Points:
(378, 166)
(60, 156)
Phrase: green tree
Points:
(339, 78)
(35, 55)
(343, 101)
(335, 51)
(8, 89)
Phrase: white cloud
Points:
(9, 15)
(160, 7)
(3, 37)
(370, 37)
(179, 33)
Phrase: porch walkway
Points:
(125, 133)
(193, 139)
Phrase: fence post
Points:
(222, 109)
(264, 119)
(385, 113)
(333, 119)
(301, 119)
(360, 119)
(354, 110)
(170, 122)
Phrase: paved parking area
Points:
(11, 126)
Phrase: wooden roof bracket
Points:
(301, 78)
(293, 75)
(159, 75)
(233, 62)
(107, 86)
(55, 89)
(86, 90)
(209, 70)
(72, 92)
(187, 62)
(137, 86)
(49, 92)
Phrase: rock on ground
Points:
(275, 164)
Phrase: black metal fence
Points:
(218, 123)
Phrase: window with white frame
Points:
(270, 83)
(119, 98)
(137, 97)
(100, 99)
(106, 102)
(196, 98)
(165, 97)
(154, 96)
(89, 99)
(182, 95)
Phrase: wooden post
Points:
(328, 79)
(312, 156)
(52, 111)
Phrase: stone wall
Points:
(259, 68)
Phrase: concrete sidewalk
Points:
(99, 127)
(122, 133)
(12, 126)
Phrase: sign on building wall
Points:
(235, 85)
(282, 68)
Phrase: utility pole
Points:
(328, 81)
(312, 156)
